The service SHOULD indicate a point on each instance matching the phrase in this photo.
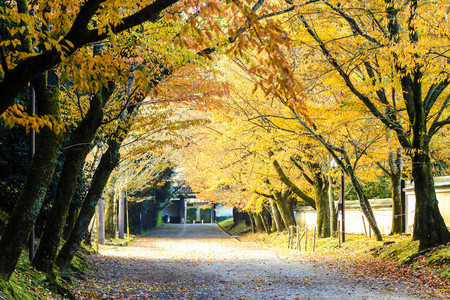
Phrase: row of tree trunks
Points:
(39, 176)
(276, 217)
(259, 226)
(78, 149)
(108, 162)
(281, 199)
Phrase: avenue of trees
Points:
(253, 99)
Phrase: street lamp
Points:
(341, 204)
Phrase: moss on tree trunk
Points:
(323, 208)
(429, 226)
(107, 163)
(80, 143)
(277, 220)
(72, 215)
(110, 211)
(39, 176)
(281, 201)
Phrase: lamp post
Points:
(341, 204)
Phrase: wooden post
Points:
(128, 222)
(364, 223)
(306, 237)
(314, 239)
(298, 237)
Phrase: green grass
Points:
(27, 283)
(238, 230)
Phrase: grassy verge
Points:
(400, 248)
(234, 229)
(27, 283)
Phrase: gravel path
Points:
(202, 262)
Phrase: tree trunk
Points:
(291, 200)
(264, 214)
(110, 211)
(323, 208)
(107, 163)
(80, 144)
(277, 220)
(239, 216)
(72, 215)
(429, 226)
(259, 226)
(365, 206)
(252, 221)
(396, 166)
(39, 176)
(284, 209)
(292, 186)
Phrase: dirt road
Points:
(202, 262)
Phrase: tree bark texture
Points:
(72, 215)
(259, 226)
(365, 206)
(280, 198)
(323, 208)
(252, 221)
(396, 166)
(80, 144)
(429, 226)
(285, 179)
(39, 176)
(107, 163)
(265, 218)
(277, 220)
(110, 211)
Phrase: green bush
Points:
(205, 215)
(191, 214)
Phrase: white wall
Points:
(383, 214)
(355, 221)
